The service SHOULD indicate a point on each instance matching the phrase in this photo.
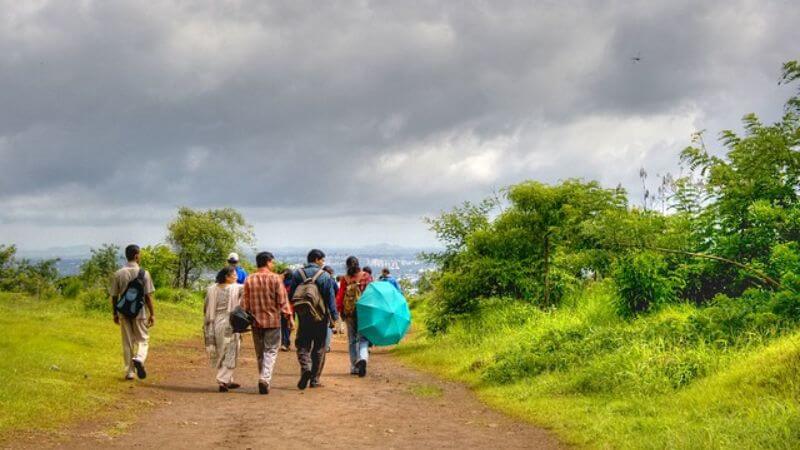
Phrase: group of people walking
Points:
(308, 300)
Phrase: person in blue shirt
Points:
(387, 276)
(311, 335)
(241, 274)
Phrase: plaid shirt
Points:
(265, 298)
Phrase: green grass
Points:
(59, 361)
(684, 377)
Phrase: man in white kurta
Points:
(135, 337)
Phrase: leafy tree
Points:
(753, 194)
(202, 240)
(546, 222)
(452, 228)
(99, 268)
(7, 253)
(161, 262)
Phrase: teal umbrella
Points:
(383, 314)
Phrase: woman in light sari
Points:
(222, 344)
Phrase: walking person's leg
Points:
(352, 344)
(328, 337)
(318, 352)
(227, 362)
(126, 330)
(258, 343)
(302, 343)
(285, 334)
(271, 342)
(359, 349)
(141, 342)
(363, 355)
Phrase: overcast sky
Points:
(344, 123)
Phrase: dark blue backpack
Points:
(132, 300)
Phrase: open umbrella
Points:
(383, 314)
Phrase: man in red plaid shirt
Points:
(265, 298)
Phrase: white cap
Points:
(233, 257)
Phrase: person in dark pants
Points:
(311, 335)
(286, 332)
(332, 328)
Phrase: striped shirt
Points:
(265, 298)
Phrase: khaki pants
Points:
(267, 341)
(134, 337)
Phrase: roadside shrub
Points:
(95, 299)
(786, 304)
(179, 296)
(642, 283)
(71, 287)
(451, 299)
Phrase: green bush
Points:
(179, 296)
(643, 283)
(95, 299)
(71, 287)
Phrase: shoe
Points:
(263, 388)
(234, 385)
(223, 388)
(284, 348)
(328, 350)
(304, 379)
(316, 385)
(140, 372)
(129, 376)
(361, 368)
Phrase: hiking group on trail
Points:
(308, 300)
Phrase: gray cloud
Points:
(304, 111)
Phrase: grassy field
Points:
(685, 377)
(59, 360)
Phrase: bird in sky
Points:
(636, 58)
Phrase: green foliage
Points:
(538, 249)
(426, 280)
(452, 228)
(202, 240)
(179, 296)
(95, 299)
(70, 287)
(752, 194)
(683, 374)
(36, 278)
(162, 263)
(99, 268)
(643, 281)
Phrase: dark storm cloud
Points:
(301, 108)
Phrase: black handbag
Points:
(241, 320)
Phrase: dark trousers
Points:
(310, 343)
(286, 332)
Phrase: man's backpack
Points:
(351, 295)
(132, 300)
(307, 299)
(241, 320)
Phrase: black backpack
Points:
(241, 320)
(132, 300)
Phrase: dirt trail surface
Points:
(393, 407)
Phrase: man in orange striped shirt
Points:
(265, 298)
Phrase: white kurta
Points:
(222, 344)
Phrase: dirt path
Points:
(393, 407)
